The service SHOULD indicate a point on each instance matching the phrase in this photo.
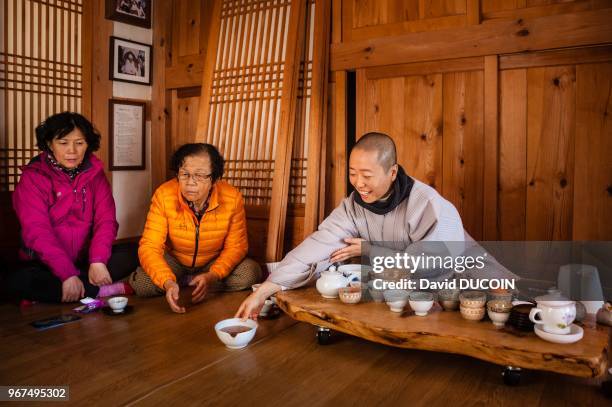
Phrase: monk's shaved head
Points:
(382, 144)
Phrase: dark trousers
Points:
(34, 281)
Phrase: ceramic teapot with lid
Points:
(330, 281)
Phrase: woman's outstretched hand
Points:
(172, 296)
(251, 306)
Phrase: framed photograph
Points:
(134, 12)
(126, 134)
(130, 61)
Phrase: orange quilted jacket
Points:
(171, 226)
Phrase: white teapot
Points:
(330, 281)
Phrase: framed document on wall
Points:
(127, 134)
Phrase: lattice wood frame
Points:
(41, 74)
(255, 101)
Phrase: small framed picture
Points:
(127, 134)
(130, 61)
(134, 12)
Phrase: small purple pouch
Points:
(89, 305)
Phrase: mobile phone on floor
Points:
(54, 321)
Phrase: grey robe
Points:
(424, 216)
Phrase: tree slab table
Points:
(447, 331)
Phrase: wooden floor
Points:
(155, 357)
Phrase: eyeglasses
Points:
(184, 176)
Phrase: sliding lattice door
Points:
(244, 103)
(41, 74)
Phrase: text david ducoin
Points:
(461, 284)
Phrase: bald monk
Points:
(387, 205)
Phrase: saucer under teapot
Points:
(576, 333)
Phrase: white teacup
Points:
(421, 302)
(266, 308)
(117, 304)
(396, 299)
(556, 314)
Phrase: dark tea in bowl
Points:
(234, 330)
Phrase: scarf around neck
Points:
(71, 172)
(400, 190)
(199, 213)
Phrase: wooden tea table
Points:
(444, 331)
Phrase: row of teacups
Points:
(420, 301)
(471, 303)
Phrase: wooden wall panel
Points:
(593, 166)
(512, 154)
(337, 155)
(384, 110)
(364, 88)
(493, 6)
(101, 86)
(550, 152)
(409, 109)
(436, 121)
(380, 46)
(536, 143)
(491, 148)
(369, 19)
(443, 8)
(515, 9)
(498, 5)
(363, 19)
(421, 149)
(160, 124)
(187, 23)
(190, 26)
(533, 3)
(379, 12)
(185, 115)
(464, 147)
(555, 172)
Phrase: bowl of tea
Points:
(236, 333)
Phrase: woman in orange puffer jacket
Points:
(195, 234)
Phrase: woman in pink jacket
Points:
(66, 211)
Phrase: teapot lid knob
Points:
(332, 268)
